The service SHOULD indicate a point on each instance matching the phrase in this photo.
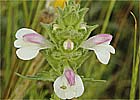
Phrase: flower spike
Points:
(29, 43)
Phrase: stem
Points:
(40, 4)
(135, 64)
(25, 11)
(7, 42)
(108, 15)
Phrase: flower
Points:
(69, 85)
(29, 43)
(68, 44)
(59, 3)
(101, 45)
(51, 4)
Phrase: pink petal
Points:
(100, 38)
(34, 38)
(70, 76)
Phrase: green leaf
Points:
(44, 76)
(55, 63)
(54, 97)
(82, 13)
(48, 29)
(60, 11)
(93, 80)
(71, 19)
(89, 30)
(78, 62)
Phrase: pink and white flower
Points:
(101, 45)
(68, 44)
(69, 85)
(29, 43)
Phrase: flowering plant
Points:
(65, 50)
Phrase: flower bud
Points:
(71, 19)
(68, 44)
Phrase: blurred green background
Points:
(15, 14)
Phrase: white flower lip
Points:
(29, 43)
(66, 90)
(101, 45)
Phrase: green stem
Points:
(108, 15)
(25, 8)
(40, 4)
(7, 43)
(135, 64)
(31, 12)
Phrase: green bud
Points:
(71, 19)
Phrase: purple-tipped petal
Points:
(100, 38)
(70, 76)
(34, 38)
(21, 32)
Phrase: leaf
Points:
(89, 30)
(44, 76)
(93, 80)
(82, 13)
(54, 97)
(48, 29)
(55, 63)
(78, 62)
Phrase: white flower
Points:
(69, 85)
(68, 44)
(29, 43)
(100, 45)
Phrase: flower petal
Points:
(103, 53)
(79, 87)
(70, 76)
(24, 31)
(111, 49)
(57, 87)
(97, 40)
(27, 53)
(101, 38)
(19, 43)
(70, 93)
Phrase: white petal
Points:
(70, 93)
(19, 43)
(57, 84)
(111, 49)
(102, 54)
(79, 87)
(24, 31)
(27, 53)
